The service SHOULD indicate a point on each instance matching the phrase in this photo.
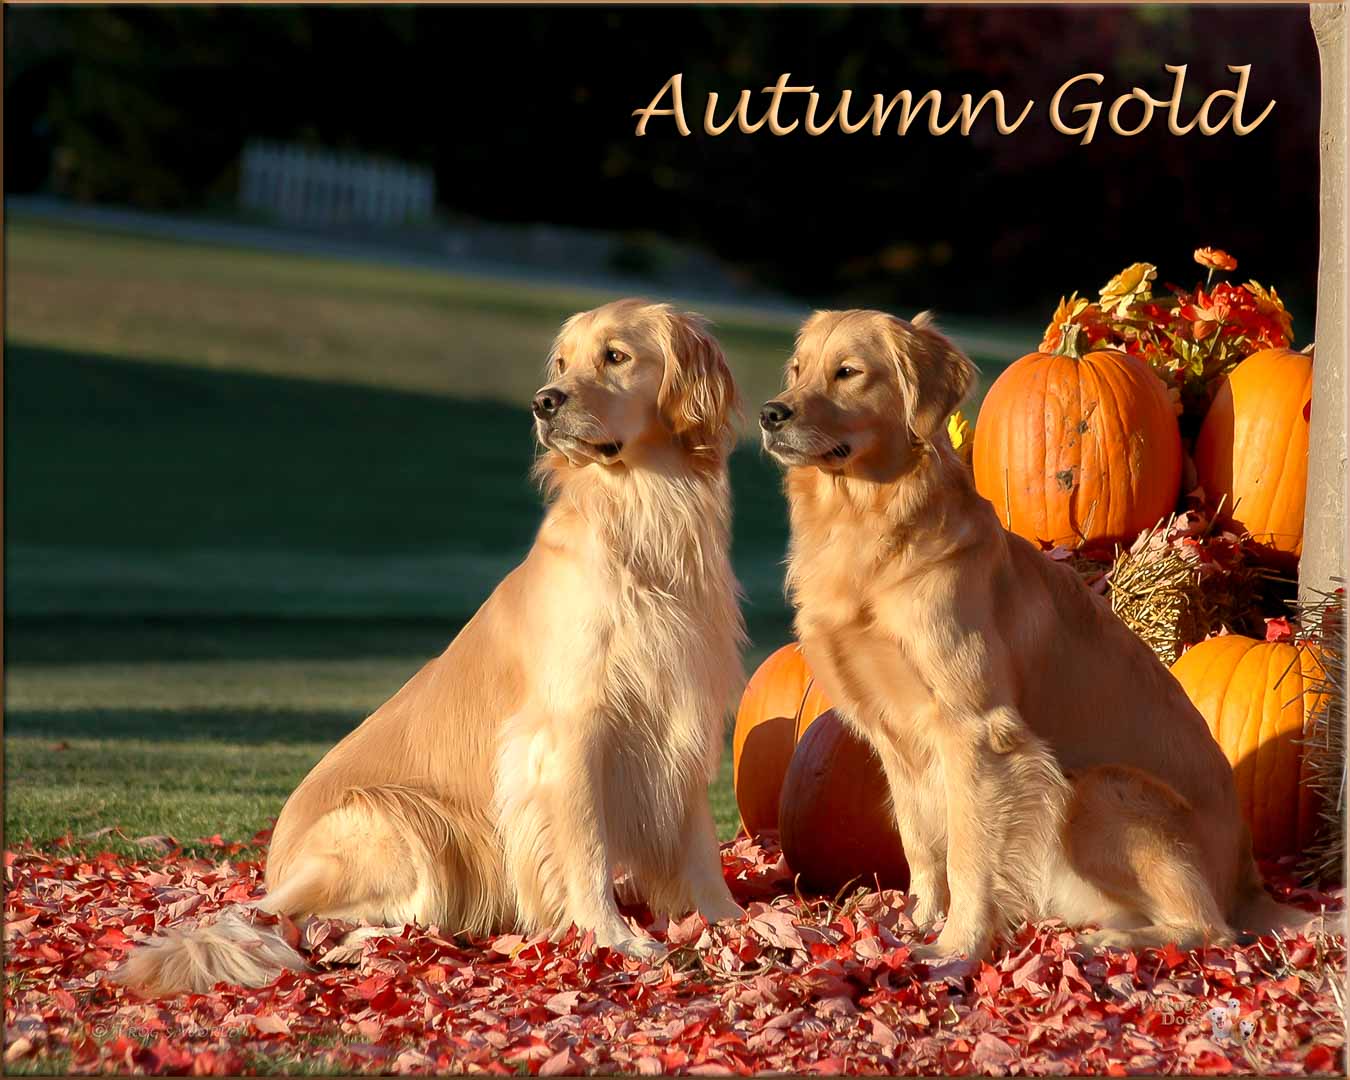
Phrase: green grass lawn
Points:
(186, 748)
(219, 550)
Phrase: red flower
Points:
(1206, 314)
(1279, 630)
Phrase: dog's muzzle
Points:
(774, 415)
(547, 402)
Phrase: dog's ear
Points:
(935, 376)
(698, 399)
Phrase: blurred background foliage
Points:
(524, 114)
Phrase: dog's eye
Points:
(846, 372)
(561, 364)
(613, 356)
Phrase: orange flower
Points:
(1215, 259)
(1269, 304)
(1074, 311)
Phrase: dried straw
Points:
(1171, 600)
(1321, 626)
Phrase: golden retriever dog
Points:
(1042, 761)
(571, 730)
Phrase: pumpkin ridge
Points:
(1289, 752)
(1270, 429)
(1042, 373)
(1223, 725)
(1307, 800)
(1292, 714)
(1106, 388)
(1084, 510)
(1252, 732)
(1277, 512)
(1207, 673)
(1268, 752)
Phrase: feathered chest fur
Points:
(853, 541)
(666, 622)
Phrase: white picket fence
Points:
(317, 187)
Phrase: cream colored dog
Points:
(573, 726)
(1041, 760)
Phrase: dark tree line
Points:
(524, 115)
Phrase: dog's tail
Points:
(1259, 913)
(1256, 912)
(231, 949)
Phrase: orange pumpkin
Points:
(1253, 695)
(1252, 451)
(1078, 448)
(835, 818)
(780, 693)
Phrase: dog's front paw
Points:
(926, 908)
(928, 897)
(722, 910)
(942, 963)
(955, 954)
(645, 949)
(1097, 941)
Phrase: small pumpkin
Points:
(1252, 450)
(835, 818)
(1076, 448)
(779, 695)
(1254, 697)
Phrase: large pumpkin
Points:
(1252, 451)
(1078, 448)
(835, 817)
(1254, 696)
(780, 697)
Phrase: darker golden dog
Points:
(1041, 760)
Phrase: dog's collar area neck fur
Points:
(900, 505)
(658, 523)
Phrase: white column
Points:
(1324, 524)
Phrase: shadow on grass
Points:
(68, 639)
(104, 639)
(236, 725)
(156, 511)
(104, 452)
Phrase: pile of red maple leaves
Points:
(800, 986)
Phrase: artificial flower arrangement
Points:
(1190, 337)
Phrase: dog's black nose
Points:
(548, 401)
(774, 415)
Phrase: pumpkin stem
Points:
(1069, 333)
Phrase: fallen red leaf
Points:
(800, 987)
